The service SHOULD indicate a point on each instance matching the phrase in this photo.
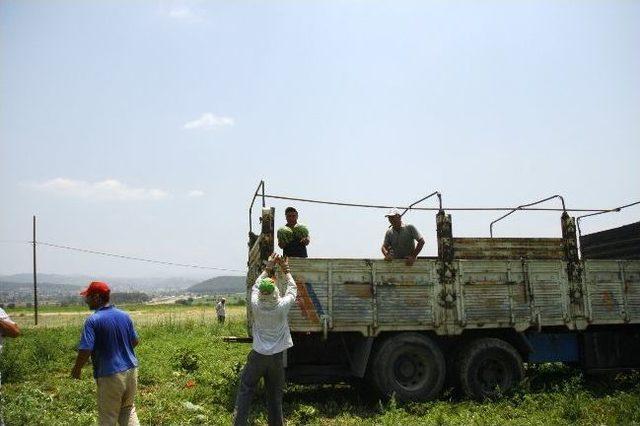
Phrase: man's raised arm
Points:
(291, 292)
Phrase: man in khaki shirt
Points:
(399, 240)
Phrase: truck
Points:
(469, 317)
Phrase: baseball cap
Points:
(393, 212)
(96, 287)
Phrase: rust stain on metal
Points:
(358, 289)
(607, 298)
(398, 283)
(520, 296)
(508, 248)
(415, 302)
(486, 282)
(492, 303)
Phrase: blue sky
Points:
(142, 128)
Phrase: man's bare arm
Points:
(386, 252)
(81, 360)
(9, 328)
(412, 258)
(418, 248)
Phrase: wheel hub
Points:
(410, 370)
(492, 374)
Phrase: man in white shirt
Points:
(8, 328)
(271, 336)
(221, 311)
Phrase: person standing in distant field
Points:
(108, 337)
(296, 244)
(271, 337)
(8, 328)
(221, 311)
(399, 240)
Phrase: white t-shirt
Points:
(270, 327)
(5, 317)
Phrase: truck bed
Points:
(373, 296)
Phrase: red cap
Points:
(96, 287)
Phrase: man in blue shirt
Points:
(108, 337)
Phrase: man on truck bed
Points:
(271, 336)
(293, 238)
(399, 240)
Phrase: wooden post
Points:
(35, 276)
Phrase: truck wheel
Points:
(409, 366)
(488, 367)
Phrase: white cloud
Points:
(109, 189)
(195, 193)
(183, 13)
(209, 121)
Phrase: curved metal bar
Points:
(387, 206)
(253, 200)
(522, 207)
(615, 209)
(422, 199)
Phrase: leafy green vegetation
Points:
(188, 375)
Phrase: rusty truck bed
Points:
(372, 296)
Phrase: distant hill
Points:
(122, 284)
(17, 292)
(21, 293)
(222, 284)
(78, 280)
(45, 287)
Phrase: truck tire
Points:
(408, 366)
(488, 367)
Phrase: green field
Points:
(188, 375)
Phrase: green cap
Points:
(266, 286)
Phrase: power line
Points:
(139, 259)
(379, 206)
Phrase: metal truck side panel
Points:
(632, 289)
(614, 287)
(371, 296)
(405, 295)
(494, 292)
(508, 248)
(550, 292)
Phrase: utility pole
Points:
(35, 275)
